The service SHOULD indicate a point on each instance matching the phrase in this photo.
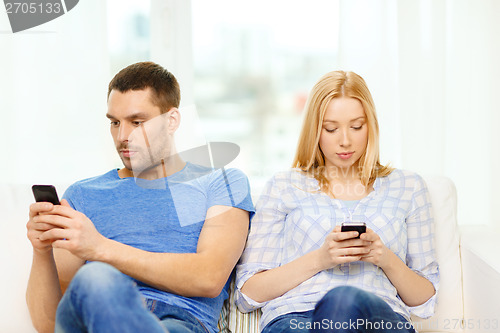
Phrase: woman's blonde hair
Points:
(309, 157)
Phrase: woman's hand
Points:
(342, 247)
(378, 253)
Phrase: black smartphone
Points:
(45, 193)
(360, 227)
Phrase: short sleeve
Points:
(230, 188)
(74, 198)
(265, 242)
(421, 255)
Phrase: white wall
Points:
(472, 109)
(432, 67)
(53, 98)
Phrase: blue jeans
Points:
(296, 322)
(343, 309)
(102, 299)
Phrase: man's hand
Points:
(70, 230)
(342, 247)
(379, 254)
(36, 229)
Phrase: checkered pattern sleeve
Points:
(265, 241)
(421, 255)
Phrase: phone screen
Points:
(45, 193)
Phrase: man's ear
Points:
(174, 120)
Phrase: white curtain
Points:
(433, 69)
(53, 98)
(171, 46)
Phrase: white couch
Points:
(461, 269)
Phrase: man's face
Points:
(140, 132)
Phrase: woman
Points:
(300, 268)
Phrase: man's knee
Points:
(99, 279)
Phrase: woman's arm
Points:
(416, 277)
(338, 248)
(412, 288)
(267, 285)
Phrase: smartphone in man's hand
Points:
(45, 193)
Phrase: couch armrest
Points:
(480, 249)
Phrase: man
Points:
(149, 247)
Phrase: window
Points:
(254, 64)
(128, 32)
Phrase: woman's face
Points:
(344, 135)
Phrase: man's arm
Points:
(47, 281)
(43, 292)
(200, 274)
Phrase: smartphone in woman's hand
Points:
(360, 227)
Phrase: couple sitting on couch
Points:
(151, 247)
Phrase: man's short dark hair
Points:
(165, 91)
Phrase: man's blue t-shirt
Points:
(163, 215)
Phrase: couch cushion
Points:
(450, 297)
(239, 321)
